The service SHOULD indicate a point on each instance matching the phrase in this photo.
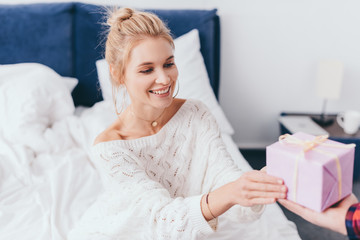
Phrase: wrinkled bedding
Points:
(42, 194)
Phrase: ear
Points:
(115, 76)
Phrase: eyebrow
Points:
(149, 63)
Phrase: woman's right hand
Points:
(257, 187)
(252, 188)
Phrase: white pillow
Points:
(70, 82)
(32, 98)
(193, 77)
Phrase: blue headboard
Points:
(69, 38)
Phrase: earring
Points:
(115, 93)
(177, 92)
(124, 98)
(114, 96)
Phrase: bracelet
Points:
(207, 204)
(201, 207)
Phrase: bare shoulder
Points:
(107, 135)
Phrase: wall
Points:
(270, 51)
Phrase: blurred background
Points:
(269, 56)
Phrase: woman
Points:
(166, 168)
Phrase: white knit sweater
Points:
(155, 183)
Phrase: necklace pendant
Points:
(154, 123)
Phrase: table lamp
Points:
(329, 81)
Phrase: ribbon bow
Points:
(306, 144)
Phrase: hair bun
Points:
(119, 15)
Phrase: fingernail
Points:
(280, 181)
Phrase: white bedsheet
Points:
(42, 195)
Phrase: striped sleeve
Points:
(352, 222)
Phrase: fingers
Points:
(348, 201)
(251, 198)
(257, 201)
(262, 194)
(261, 176)
(265, 190)
(266, 187)
(306, 213)
(257, 187)
(291, 206)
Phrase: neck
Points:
(153, 120)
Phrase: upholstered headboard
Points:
(68, 37)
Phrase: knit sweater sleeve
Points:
(154, 213)
(221, 168)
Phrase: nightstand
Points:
(336, 133)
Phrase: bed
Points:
(55, 97)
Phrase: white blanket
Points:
(42, 196)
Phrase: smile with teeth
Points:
(166, 90)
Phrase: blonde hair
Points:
(127, 27)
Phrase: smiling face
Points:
(151, 74)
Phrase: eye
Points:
(169, 65)
(149, 70)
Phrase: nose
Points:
(162, 78)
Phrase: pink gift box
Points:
(313, 177)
